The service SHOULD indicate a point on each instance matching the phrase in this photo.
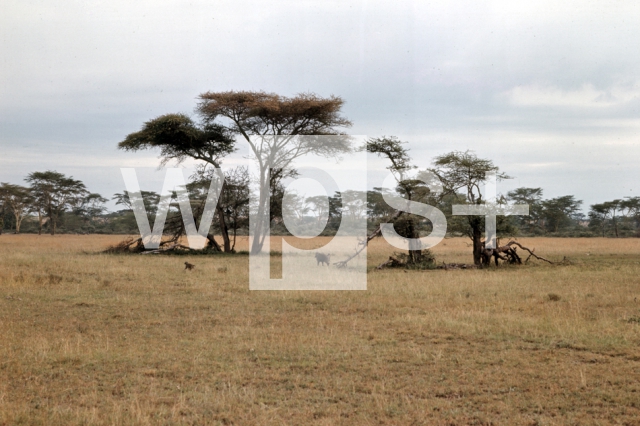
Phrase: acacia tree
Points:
(560, 211)
(178, 137)
(462, 174)
(631, 206)
(601, 213)
(149, 198)
(54, 193)
(271, 124)
(88, 208)
(392, 149)
(406, 226)
(319, 205)
(533, 198)
(19, 200)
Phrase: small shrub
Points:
(553, 297)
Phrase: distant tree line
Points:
(54, 203)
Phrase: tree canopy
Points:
(278, 129)
(54, 193)
(178, 137)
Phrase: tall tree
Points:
(18, 199)
(54, 193)
(178, 137)
(270, 124)
(462, 175)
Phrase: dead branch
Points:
(365, 243)
(531, 252)
(126, 246)
(168, 248)
(391, 263)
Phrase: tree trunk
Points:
(477, 244)
(415, 251)
(53, 223)
(224, 230)
(260, 229)
(213, 242)
(18, 222)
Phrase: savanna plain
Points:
(92, 338)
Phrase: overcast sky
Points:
(550, 92)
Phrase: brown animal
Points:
(323, 258)
(189, 266)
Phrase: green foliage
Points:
(179, 138)
(532, 224)
(54, 193)
(560, 212)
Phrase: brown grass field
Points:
(88, 338)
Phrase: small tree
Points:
(54, 193)
(18, 199)
(233, 202)
(406, 226)
(462, 174)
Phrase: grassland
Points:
(88, 338)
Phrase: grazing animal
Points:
(323, 258)
(189, 266)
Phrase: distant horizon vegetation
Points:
(79, 211)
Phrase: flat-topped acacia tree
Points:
(54, 193)
(270, 124)
(178, 137)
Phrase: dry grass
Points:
(88, 338)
